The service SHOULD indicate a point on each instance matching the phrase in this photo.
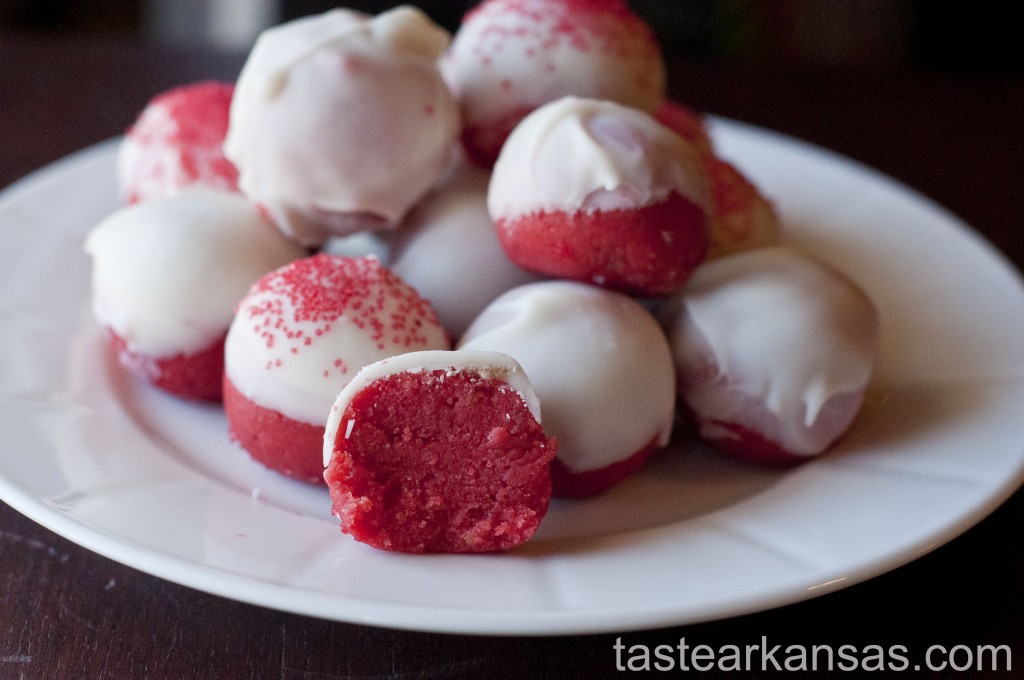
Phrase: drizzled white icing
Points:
(510, 56)
(167, 273)
(786, 334)
(584, 154)
(488, 365)
(449, 251)
(599, 363)
(341, 116)
(304, 331)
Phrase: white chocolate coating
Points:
(448, 250)
(511, 56)
(302, 332)
(341, 120)
(597, 359)
(774, 330)
(168, 273)
(488, 365)
(584, 154)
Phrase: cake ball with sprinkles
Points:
(298, 337)
(510, 56)
(177, 142)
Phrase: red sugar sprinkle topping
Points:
(299, 303)
(608, 26)
(191, 122)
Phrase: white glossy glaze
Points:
(448, 250)
(341, 120)
(598, 361)
(167, 273)
(780, 333)
(586, 154)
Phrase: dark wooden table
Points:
(68, 613)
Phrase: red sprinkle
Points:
(300, 302)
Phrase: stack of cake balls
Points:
(452, 276)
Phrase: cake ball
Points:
(509, 57)
(774, 351)
(177, 142)
(598, 192)
(686, 123)
(298, 337)
(439, 452)
(601, 367)
(743, 217)
(166, 275)
(341, 122)
(448, 250)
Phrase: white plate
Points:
(154, 483)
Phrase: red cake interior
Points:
(440, 462)
(646, 251)
(288, 446)
(192, 376)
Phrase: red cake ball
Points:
(511, 56)
(743, 217)
(773, 351)
(598, 192)
(600, 365)
(686, 123)
(299, 335)
(166, 277)
(177, 142)
(439, 452)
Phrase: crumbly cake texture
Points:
(195, 376)
(648, 251)
(567, 483)
(299, 336)
(511, 56)
(284, 445)
(440, 461)
(177, 142)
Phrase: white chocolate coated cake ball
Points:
(341, 122)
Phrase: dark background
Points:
(842, 35)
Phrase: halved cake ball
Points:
(177, 141)
(341, 122)
(439, 452)
(166, 276)
(511, 56)
(600, 365)
(774, 351)
(598, 192)
(299, 336)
